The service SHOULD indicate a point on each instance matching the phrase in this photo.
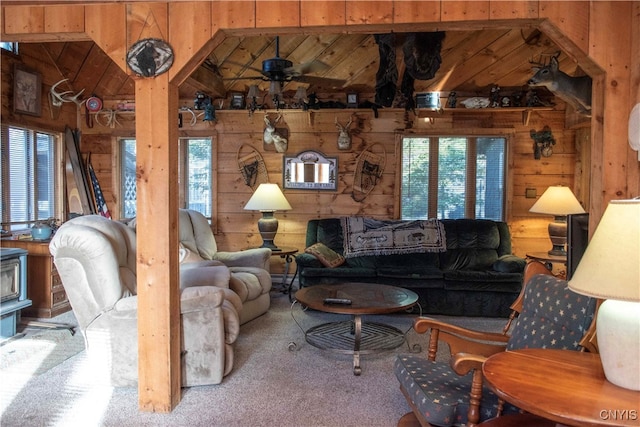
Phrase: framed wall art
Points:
(310, 170)
(27, 91)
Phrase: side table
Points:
(565, 386)
(287, 254)
(549, 260)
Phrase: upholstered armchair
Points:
(250, 276)
(96, 260)
(448, 393)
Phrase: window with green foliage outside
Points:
(450, 177)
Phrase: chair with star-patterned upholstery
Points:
(451, 392)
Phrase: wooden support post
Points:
(157, 211)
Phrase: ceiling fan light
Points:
(275, 88)
(253, 91)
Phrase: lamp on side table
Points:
(267, 199)
(610, 269)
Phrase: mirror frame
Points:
(310, 157)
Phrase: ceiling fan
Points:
(282, 70)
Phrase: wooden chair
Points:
(452, 393)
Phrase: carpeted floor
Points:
(270, 385)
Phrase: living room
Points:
(611, 173)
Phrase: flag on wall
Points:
(98, 197)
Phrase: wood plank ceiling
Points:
(472, 62)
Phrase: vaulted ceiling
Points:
(472, 62)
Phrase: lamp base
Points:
(618, 332)
(558, 235)
(268, 227)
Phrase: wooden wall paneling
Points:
(527, 9)
(322, 13)
(157, 275)
(409, 11)
(64, 19)
(106, 25)
(370, 12)
(147, 20)
(92, 70)
(607, 47)
(233, 14)
(634, 97)
(188, 45)
(280, 13)
(571, 17)
(23, 20)
(465, 10)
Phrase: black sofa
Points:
(476, 276)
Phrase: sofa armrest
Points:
(257, 257)
(307, 260)
(509, 264)
(200, 298)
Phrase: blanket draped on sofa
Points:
(368, 236)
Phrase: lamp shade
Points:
(610, 267)
(268, 198)
(557, 200)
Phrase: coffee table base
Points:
(355, 337)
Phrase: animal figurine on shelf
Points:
(344, 136)
(575, 91)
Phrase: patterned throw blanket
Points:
(368, 236)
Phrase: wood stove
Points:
(13, 289)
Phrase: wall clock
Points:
(150, 57)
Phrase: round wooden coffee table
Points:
(354, 336)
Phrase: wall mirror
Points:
(310, 170)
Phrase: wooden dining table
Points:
(565, 386)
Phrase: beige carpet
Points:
(269, 385)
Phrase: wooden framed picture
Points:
(27, 91)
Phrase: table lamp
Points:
(610, 269)
(558, 201)
(267, 199)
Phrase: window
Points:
(194, 175)
(29, 177)
(453, 177)
(10, 46)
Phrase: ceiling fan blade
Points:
(314, 66)
(244, 66)
(320, 81)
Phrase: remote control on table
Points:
(341, 301)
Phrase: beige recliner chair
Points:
(96, 260)
(250, 276)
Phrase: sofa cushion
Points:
(329, 232)
(416, 272)
(483, 276)
(327, 256)
(346, 272)
(468, 259)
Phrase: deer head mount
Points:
(344, 135)
(270, 135)
(576, 91)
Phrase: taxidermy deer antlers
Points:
(272, 137)
(344, 136)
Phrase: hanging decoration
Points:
(543, 143)
(252, 166)
(369, 169)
